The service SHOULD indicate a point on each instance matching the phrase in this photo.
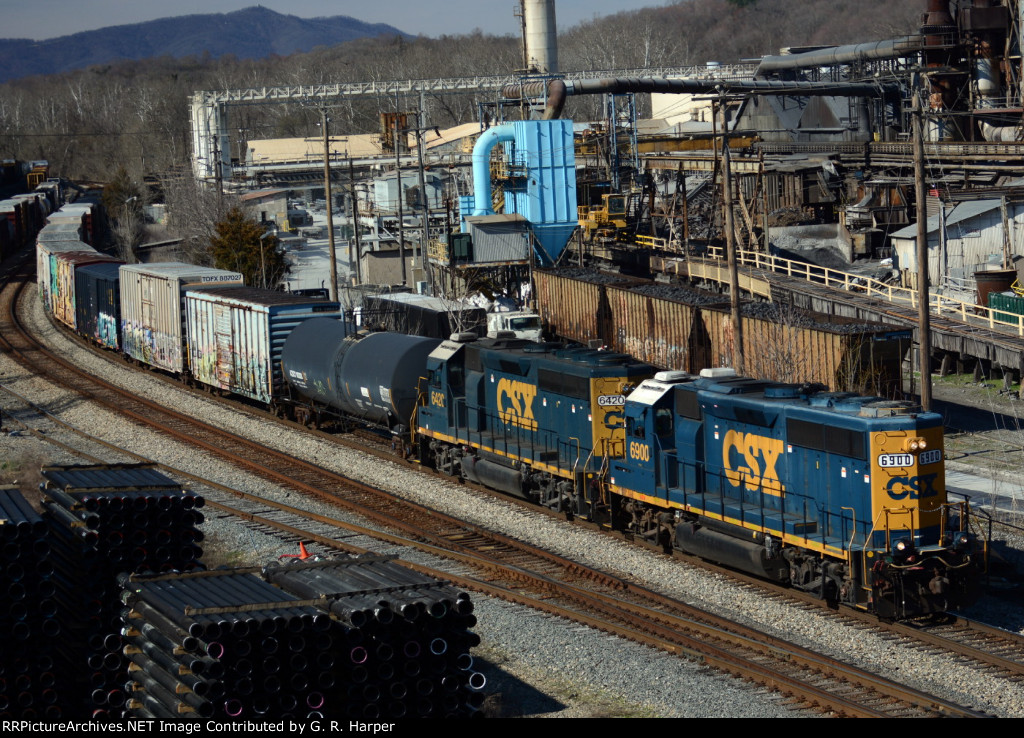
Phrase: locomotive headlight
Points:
(962, 542)
(902, 548)
(916, 444)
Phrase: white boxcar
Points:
(153, 309)
(52, 240)
(236, 335)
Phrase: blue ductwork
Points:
(546, 195)
(482, 166)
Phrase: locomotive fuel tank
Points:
(372, 376)
(752, 555)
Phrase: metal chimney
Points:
(540, 36)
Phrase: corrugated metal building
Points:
(962, 240)
(499, 239)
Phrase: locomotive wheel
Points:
(444, 463)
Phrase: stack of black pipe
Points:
(28, 625)
(106, 520)
(407, 642)
(225, 645)
(359, 639)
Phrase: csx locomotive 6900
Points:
(837, 494)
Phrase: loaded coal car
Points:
(335, 375)
(836, 494)
(539, 421)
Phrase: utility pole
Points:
(330, 206)
(355, 222)
(924, 333)
(218, 174)
(401, 216)
(424, 207)
(730, 244)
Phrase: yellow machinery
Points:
(606, 220)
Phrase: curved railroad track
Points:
(558, 585)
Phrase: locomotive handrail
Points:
(579, 449)
(966, 312)
(851, 544)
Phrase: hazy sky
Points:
(42, 19)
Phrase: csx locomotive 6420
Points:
(534, 420)
(834, 493)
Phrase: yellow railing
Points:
(966, 312)
(651, 242)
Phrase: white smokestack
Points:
(541, 36)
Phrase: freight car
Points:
(337, 374)
(199, 324)
(152, 316)
(680, 328)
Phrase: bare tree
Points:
(193, 209)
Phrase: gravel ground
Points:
(536, 665)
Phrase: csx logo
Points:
(913, 488)
(639, 451)
(756, 463)
(515, 403)
(437, 398)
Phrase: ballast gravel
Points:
(536, 665)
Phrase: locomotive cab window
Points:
(687, 404)
(636, 426)
(663, 421)
(456, 377)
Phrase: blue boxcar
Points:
(98, 303)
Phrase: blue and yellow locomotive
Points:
(540, 421)
(834, 493)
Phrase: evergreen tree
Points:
(245, 246)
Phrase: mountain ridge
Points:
(250, 33)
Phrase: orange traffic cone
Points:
(302, 555)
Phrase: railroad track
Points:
(517, 572)
(811, 681)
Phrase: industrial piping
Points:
(558, 90)
(836, 55)
(482, 166)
